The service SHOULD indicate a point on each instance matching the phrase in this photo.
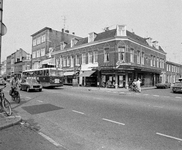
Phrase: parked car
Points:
(163, 85)
(2, 81)
(30, 84)
(177, 86)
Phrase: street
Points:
(87, 119)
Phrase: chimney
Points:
(121, 30)
(62, 30)
(67, 31)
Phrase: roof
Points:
(46, 28)
(111, 34)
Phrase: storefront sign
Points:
(122, 63)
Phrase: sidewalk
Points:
(106, 89)
(7, 121)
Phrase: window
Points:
(72, 61)
(142, 58)
(38, 53)
(57, 63)
(34, 42)
(154, 61)
(34, 55)
(138, 57)
(121, 54)
(132, 55)
(64, 62)
(90, 57)
(60, 62)
(43, 38)
(106, 55)
(84, 58)
(68, 61)
(158, 63)
(151, 60)
(38, 40)
(62, 45)
(42, 52)
(95, 56)
(77, 60)
(161, 63)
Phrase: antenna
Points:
(64, 21)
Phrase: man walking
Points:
(138, 85)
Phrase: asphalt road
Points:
(92, 119)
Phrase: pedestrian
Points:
(138, 85)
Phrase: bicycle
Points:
(15, 95)
(4, 103)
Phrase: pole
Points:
(1, 21)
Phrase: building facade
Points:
(112, 58)
(3, 68)
(44, 42)
(17, 61)
(173, 72)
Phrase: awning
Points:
(86, 73)
(48, 61)
(69, 73)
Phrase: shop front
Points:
(71, 78)
(88, 78)
(123, 77)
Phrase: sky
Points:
(159, 19)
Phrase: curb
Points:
(13, 122)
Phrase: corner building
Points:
(112, 58)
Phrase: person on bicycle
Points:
(14, 84)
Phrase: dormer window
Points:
(73, 41)
(62, 45)
(121, 30)
(91, 37)
(155, 44)
(149, 41)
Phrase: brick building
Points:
(17, 61)
(173, 71)
(44, 42)
(114, 56)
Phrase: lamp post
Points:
(1, 21)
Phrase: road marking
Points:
(113, 121)
(156, 95)
(40, 101)
(28, 97)
(49, 139)
(177, 97)
(79, 112)
(171, 137)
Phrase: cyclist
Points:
(14, 84)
